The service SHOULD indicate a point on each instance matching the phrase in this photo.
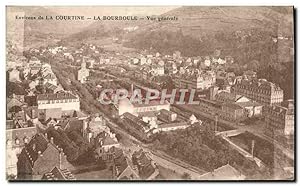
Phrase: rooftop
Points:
(226, 172)
(57, 96)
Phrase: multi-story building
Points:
(260, 90)
(158, 70)
(14, 75)
(104, 142)
(280, 119)
(40, 156)
(16, 139)
(50, 78)
(197, 81)
(135, 108)
(145, 165)
(58, 174)
(83, 73)
(227, 111)
(251, 107)
(249, 74)
(65, 101)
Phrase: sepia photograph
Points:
(150, 93)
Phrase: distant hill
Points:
(243, 32)
(38, 32)
(199, 30)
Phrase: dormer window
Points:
(26, 140)
(17, 141)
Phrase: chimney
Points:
(46, 136)
(60, 153)
(32, 113)
(290, 104)
(52, 140)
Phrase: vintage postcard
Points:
(159, 93)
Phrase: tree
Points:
(15, 109)
(186, 176)
(74, 114)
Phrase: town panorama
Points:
(177, 93)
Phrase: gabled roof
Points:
(107, 139)
(71, 124)
(36, 144)
(233, 106)
(58, 174)
(57, 96)
(20, 134)
(49, 120)
(249, 104)
(50, 86)
(15, 101)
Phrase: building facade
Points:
(260, 90)
(83, 73)
(280, 119)
(65, 101)
(135, 108)
(199, 82)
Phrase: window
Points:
(26, 140)
(17, 141)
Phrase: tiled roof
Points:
(144, 164)
(36, 144)
(58, 174)
(229, 96)
(147, 114)
(287, 107)
(106, 139)
(21, 134)
(50, 86)
(179, 124)
(57, 96)
(232, 106)
(166, 112)
(135, 119)
(248, 104)
(74, 124)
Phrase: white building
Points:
(83, 73)
(65, 101)
(135, 108)
(14, 75)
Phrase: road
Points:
(176, 166)
(161, 159)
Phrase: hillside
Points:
(35, 33)
(201, 30)
(208, 28)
